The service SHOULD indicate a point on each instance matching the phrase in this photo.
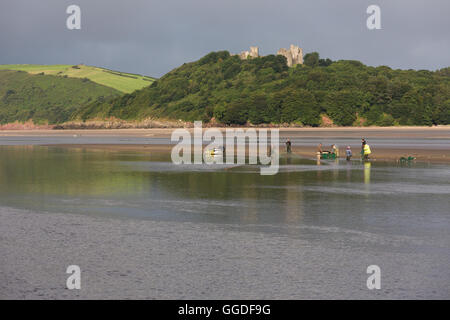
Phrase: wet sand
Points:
(387, 154)
(383, 152)
(142, 259)
(351, 132)
(378, 154)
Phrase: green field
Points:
(121, 81)
(46, 98)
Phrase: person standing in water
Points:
(335, 150)
(348, 153)
(288, 146)
(363, 143)
(367, 151)
(319, 148)
(319, 153)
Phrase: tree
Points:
(311, 59)
(236, 113)
(339, 106)
(258, 110)
(300, 106)
(231, 67)
(441, 114)
(219, 112)
(325, 62)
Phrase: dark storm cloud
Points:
(152, 37)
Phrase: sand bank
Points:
(351, 132)
(143, 259)
(304, 140)
(378, 153)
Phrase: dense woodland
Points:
(223, 89)
(264, 90)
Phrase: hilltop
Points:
(121, 81)
(45, 98)
(225, 89)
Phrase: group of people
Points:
(334, 150)
(365, 150)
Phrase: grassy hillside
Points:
(124, 82)
(265, 90)
(43, 98)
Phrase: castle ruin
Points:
(253, 53)
(294, 55)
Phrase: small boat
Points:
(214, 152)
(404, 159)
(327, 155)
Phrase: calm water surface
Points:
(366, 197)
(338, 215)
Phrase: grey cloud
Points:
(152, 37)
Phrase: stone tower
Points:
(294, 55)
(253, 53)
(297, 54)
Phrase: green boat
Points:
(327, 156)
(410, 158)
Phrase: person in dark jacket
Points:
(288, 146)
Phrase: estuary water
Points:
(398, 214)
(403, 199)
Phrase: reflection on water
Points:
(317, 227)
(375, 197)
(367, 166)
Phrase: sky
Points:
(152, 37)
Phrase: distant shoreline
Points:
(304, 140)
(48, 128)
(116, 124)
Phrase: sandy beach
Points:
(367, 132)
